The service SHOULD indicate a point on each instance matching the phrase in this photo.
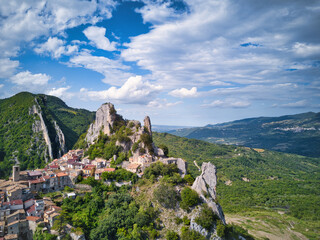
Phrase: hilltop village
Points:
(22, 208)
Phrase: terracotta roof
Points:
(101, 170)
(16, 202)
(39, 180)
(32, 218)
(133, 165)
(29, 200)
(61, 174)
(53, 166)
(89, 167)
(31, 209)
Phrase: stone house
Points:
(98, 172)
(17, 215)
(89, 170)
(16, 205)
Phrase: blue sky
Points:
(188, 63)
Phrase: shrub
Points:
(186, 220)
(206, 218)
(189, 198)
(190, 234)
(221, 229)
(188, 179)
(166, 195)
(171, 235)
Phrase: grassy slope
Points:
(278, 182)
(264, 132)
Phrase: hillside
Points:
(299, 134)
(255, 181)
(37, 128)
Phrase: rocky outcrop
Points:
(133, 138)
(105, 118)
(40, 125)
(205, 186)
(60, 140)
(147, 124)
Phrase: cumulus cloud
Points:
(157, 12)
(61, 92)
(114, 71)
(26, 78)
(7, 67)
(207, 47)
(56, 47)
(184, 93)
(97, 37)
(306, 50)
(228, 103)
(134, 91)
(23, 22)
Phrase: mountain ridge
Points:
(299, 133)
(35, 128)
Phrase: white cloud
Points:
(162, 103)
(306, 50)
(1, 85)
(97, 36)
(56, 47)
(24, 21)
(184, 93)
(156, 12)
(114, 71)
(26, 79)
(298, 104)
(7, 67)
(61, 92)
(219, 83)
(228, 103)
(134, 90)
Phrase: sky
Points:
(186, 63)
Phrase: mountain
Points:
(299, 134)
(111, 136)
(277, 188)
(35, 128)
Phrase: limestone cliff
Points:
(105, 118)
(40, 126)
(205, 186)
(129, 134)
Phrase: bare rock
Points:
(205, 186)
(105, 118)
(147, 124)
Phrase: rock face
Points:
(110, 123)
(60, 140)
(147, 124)
(205, 186)
(105, 118)
(40, 126)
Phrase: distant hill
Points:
(299, 134)
(255, 181)
(35, 128)
(167, 128)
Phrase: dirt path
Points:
(261, 229)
